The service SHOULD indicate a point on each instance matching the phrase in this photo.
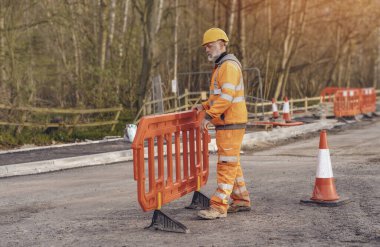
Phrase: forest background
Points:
(103, 53)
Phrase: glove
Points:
(204, 125)
(198, 108)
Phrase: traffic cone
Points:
(274, 109)
(324, 192)
(286, 110)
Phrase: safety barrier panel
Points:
(328, 92)
(367, 100)
(347, 102)
(165, 179)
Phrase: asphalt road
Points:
(51, 152)
(97, 206)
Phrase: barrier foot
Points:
(199, 201)
(161, 221)
(336, 203)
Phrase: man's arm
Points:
(229, 78)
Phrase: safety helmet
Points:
(214, 34)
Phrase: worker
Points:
(227, 111)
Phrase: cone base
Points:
(324, 190)
(336, 203)
(286, 117)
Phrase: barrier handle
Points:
(137, 152)
(135, 164)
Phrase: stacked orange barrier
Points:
(350, 101)
(328, 91)
(183, 175)
(347, 102)
(367, 100)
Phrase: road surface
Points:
(97, 206)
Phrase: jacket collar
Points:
(220, 58)
(224, 57)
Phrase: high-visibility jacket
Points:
(226, 103)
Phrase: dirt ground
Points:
(97, 206)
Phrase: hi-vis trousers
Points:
(230, 178)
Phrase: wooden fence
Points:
(54, 117)
(255, 109)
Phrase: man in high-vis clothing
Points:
(227, 111)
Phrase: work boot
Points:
(211, 214)
(233, 208)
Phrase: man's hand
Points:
(204, 125)
(198, 108)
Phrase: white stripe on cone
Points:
(324, 169)
(286, 107)
(274, 107)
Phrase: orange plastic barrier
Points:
(328, 91)
(347, 102)
(169, 177)
(367, 100)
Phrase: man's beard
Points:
(212, 58)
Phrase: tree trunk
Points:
(376, 76)
(231, 18)
(347, 76)
(299, 28)
(78, 80)
(151, 26)
(267, 86)
(103, 9)
(176, 40)
(285, 52)
(295, 27)
(242, 32)
(2, 54)
(111, 30)
(124, 29)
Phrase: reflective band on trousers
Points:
(240, 179)
(215, 91)
(228, 158)
(220, 195)
(240, 190)
(223, 186)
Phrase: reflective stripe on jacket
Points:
(226, 103)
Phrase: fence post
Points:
(306, 105)
(177, 103)
(144, 108)
(23, 120)
(116, 118)
(76, 119)
(255, 110)
(186, 98)
(291, 106)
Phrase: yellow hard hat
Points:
(214, 34)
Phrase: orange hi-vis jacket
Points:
(226, 103)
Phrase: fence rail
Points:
(36, 117)
(264, 108)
